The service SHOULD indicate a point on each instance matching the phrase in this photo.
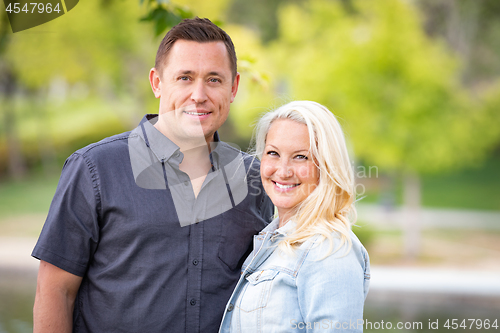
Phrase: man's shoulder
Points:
(105, 146)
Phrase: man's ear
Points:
(154, 80)
(234, 88)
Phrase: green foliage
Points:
(72, 49)
(254, 96)
(58, 129)
(472, 28)
(165, 14)
(75, 82)
(260, 13)
(215, 10)
(396, 91)
(365, 233)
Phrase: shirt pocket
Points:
(257, 290)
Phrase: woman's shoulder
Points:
(348, 264)
(335, 251)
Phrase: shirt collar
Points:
(163, 148)
(160, 145)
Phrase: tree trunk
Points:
(16, 163)
(46, 148)
(412, 211)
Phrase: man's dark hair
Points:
(198, 30)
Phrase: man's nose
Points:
(199, 94)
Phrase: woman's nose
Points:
(284, 170)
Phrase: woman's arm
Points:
(55, 299)
(331, 291)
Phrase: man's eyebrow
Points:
(185, 71)
(218, 74)
(190, 72)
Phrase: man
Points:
(148, 229)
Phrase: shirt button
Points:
(192, 302)
(186, 183)
(247, 275)
(230, 307)
(195, 262)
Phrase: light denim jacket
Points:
(278, 292)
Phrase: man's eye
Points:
(214, 80)
(184, 78)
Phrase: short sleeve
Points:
(71, 232)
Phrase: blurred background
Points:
(415, 84)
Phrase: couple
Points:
(166, 228)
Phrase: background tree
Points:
(398, 93)
(472, 29)
(69, 61)
(77, 82)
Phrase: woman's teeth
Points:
(286, 186)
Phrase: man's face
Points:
(195, 89)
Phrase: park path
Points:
(436, 280)
(15, 255)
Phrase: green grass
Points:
(472, 189)
(29, 196)
(476, 189)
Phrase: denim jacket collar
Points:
(269, 236)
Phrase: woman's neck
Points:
(284, 218)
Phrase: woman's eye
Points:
(272, 153)
(301, 157)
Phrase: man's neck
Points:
(196, 162)
(186, 144)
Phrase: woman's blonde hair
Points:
(330, 207)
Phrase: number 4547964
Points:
(471, 323)
(40, 8)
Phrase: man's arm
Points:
(55, 299)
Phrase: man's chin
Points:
(194, 135)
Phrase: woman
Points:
(308, 271)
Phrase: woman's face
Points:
(287, 168)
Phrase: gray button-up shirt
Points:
(123, 219)
(155, 163)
